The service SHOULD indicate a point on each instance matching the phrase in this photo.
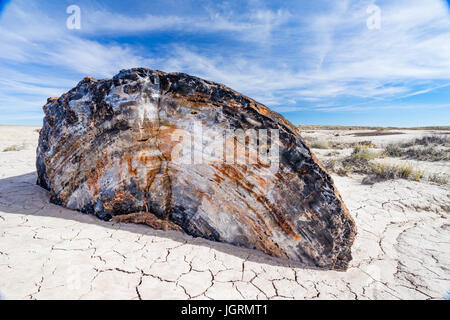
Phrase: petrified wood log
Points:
(107, 147)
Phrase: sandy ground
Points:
(47, 252)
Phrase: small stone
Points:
(369, 180)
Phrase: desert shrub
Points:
(337, 145)
(358, 161)
(437, 178)
(424, 154)
(383, 171)
(418, 174)
(427, 154)
(361, 153)
(393, 150)
(14, 148)
(434, 139)
(332, 154)
(319, 145)
(411, 151)
(337, 166)
(364, 144)
(345, 145)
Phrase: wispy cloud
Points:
(255, 26)
(292, 58)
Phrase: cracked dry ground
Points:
(48, 252)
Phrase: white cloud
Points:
(341, 56)
(36, 38)
(285, 58)
(92, 58)
(256, 26)
(41, 58)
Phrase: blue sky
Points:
(316, 62)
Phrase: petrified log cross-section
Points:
(107, 146)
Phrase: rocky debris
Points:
(107, 147)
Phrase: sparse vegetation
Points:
(14, 148)
(428, 154)
(360, 161)
(393, 150)
(362, 153)
(376, 133)
(434, 139)
(319, 145)
(383, 171)
(332, 154)
(357, 162)
(331, 127)
(437, 178)
(314, 143)
(365, 143)
(434, 151)
(337, 166)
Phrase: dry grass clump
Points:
(357, 162)
(14, 148)
(346, 145)
(383, 171)
(332, 154)
(337, 166)
(319, 145)
(337, 145)
(364, 144)
(314, 143)
(362, 153)
(437, 178)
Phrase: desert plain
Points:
(395, 183)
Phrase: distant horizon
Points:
(351, 63)
(361, 127)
